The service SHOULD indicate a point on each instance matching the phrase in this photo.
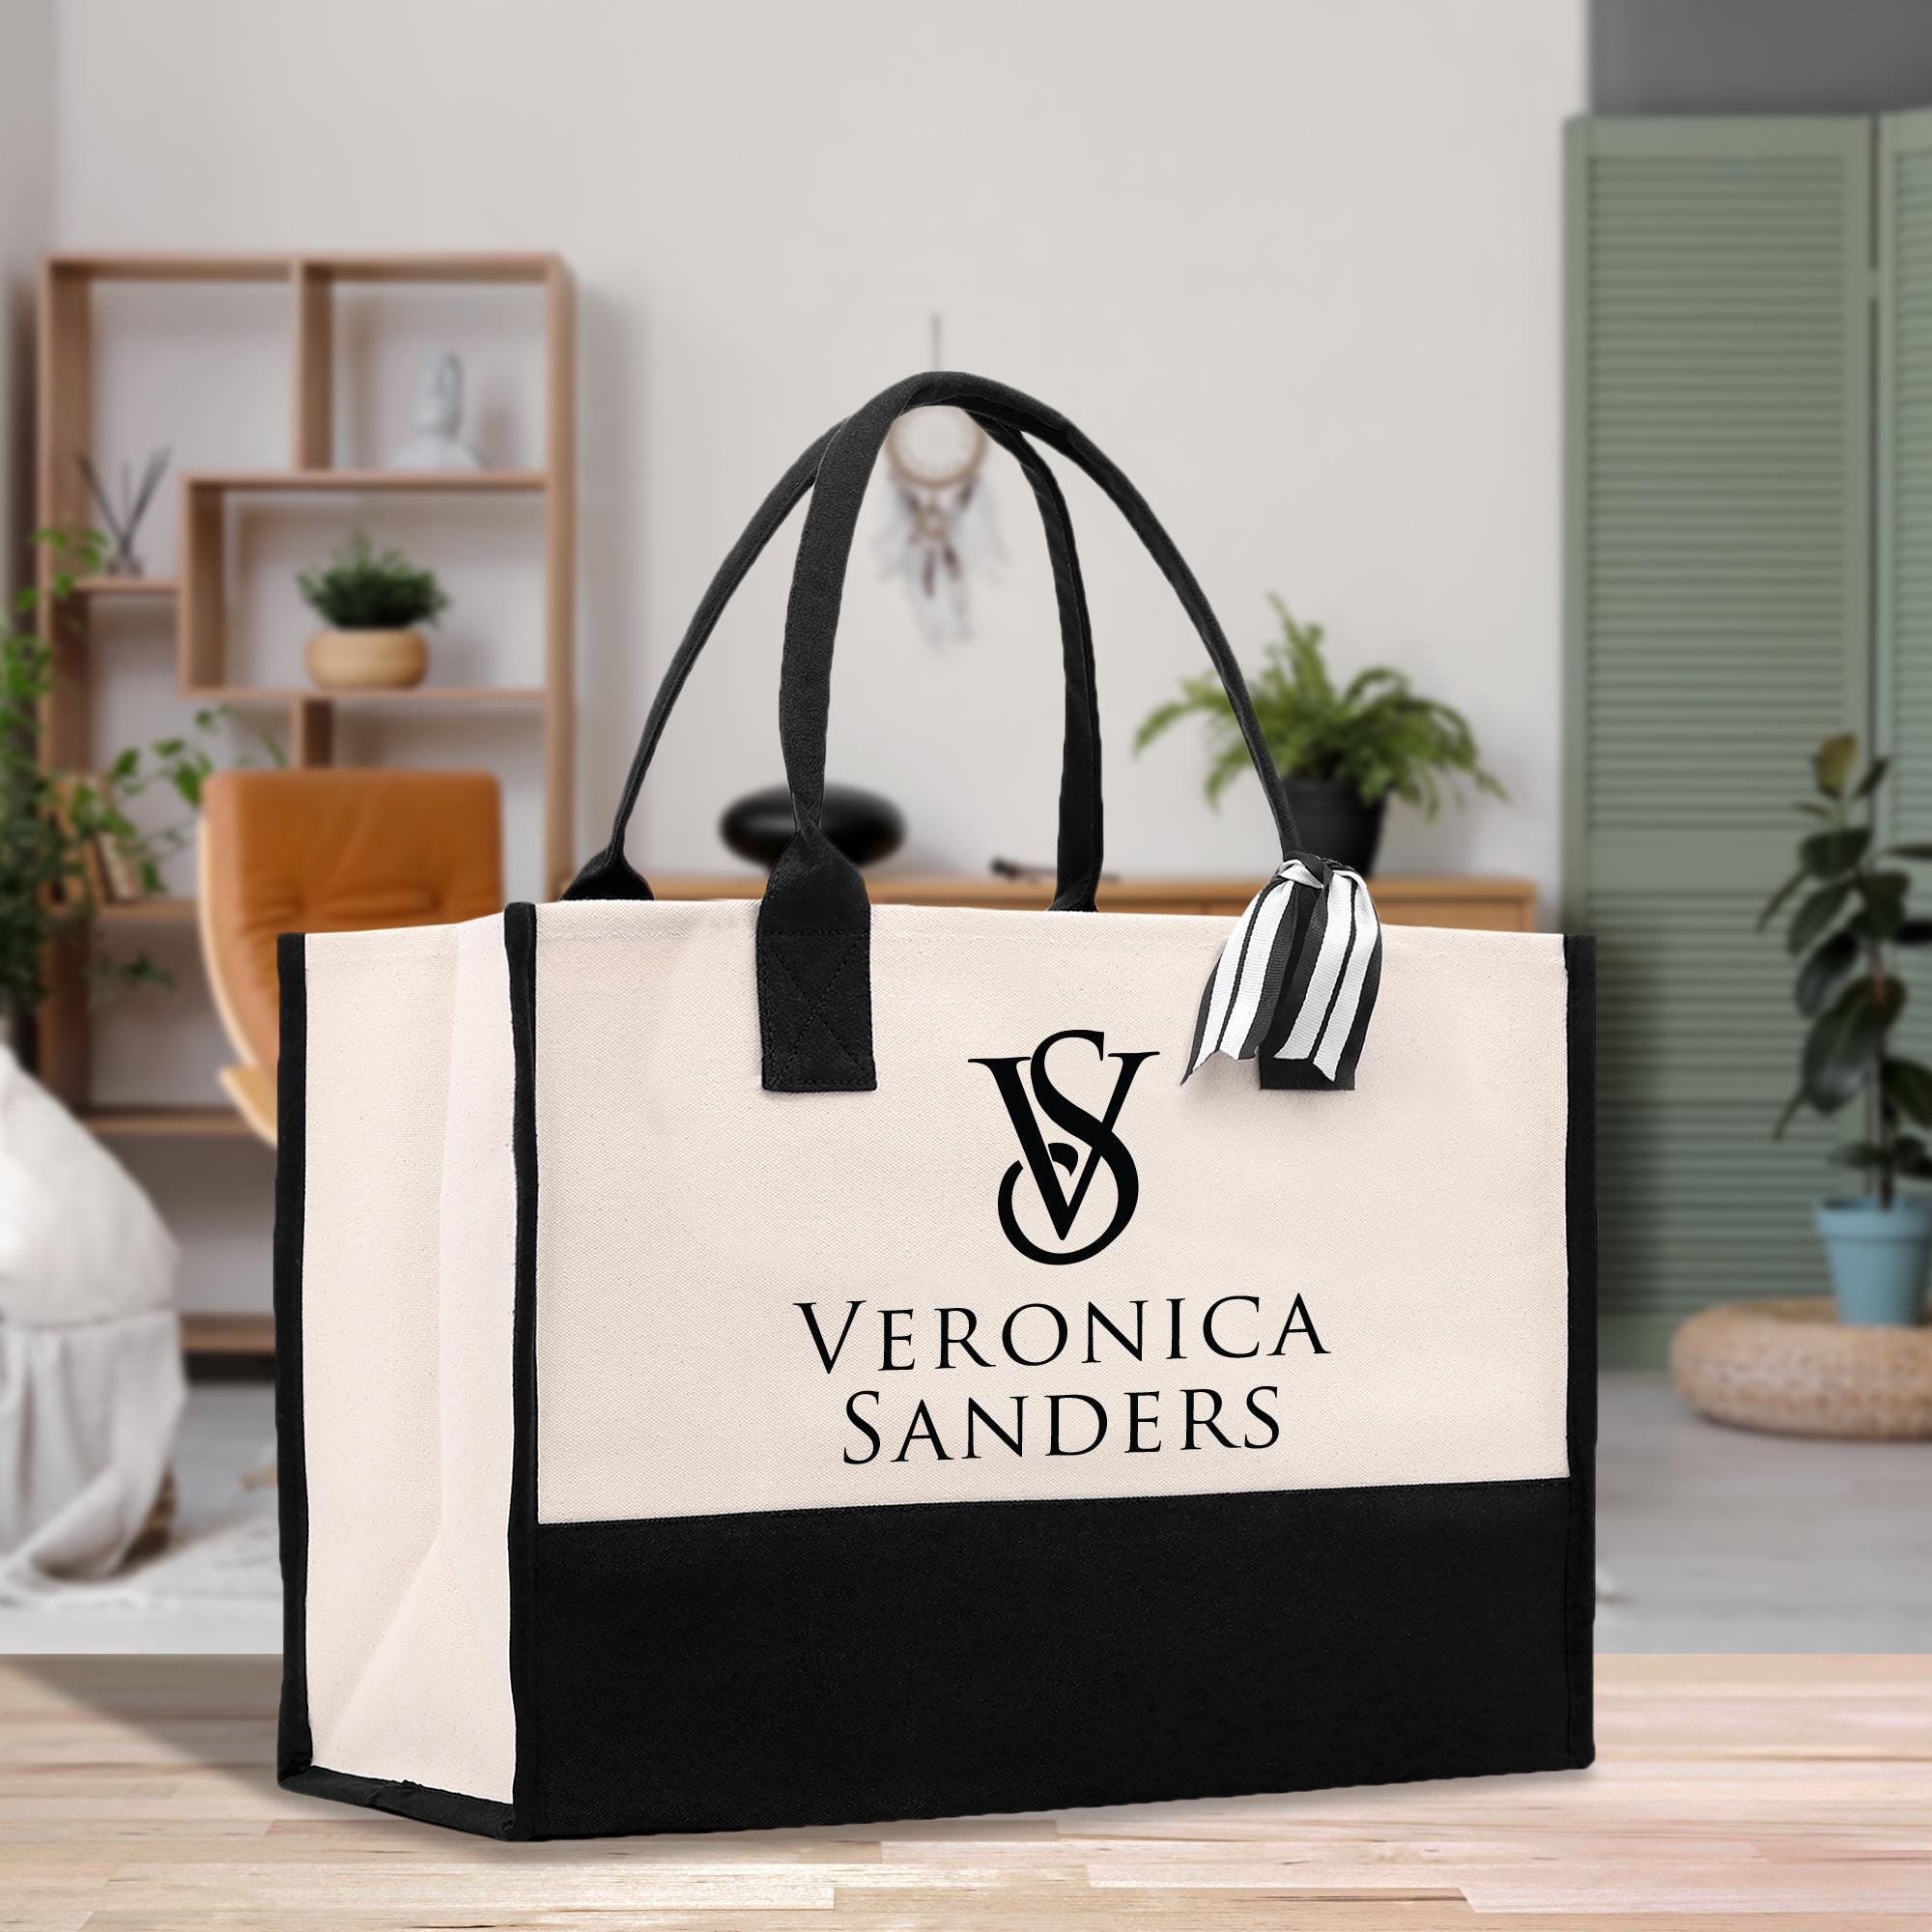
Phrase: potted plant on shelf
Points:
(1877, 1245)
(66, 840)
(370, 602)
(1343, 752)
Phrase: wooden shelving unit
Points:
(156, 911)
(202, 1123)
(126, 586)
(66, 385)
(228, 1334)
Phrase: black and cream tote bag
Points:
(791, 1361)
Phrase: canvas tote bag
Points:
(787, 1361)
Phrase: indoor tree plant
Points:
(370, 601)
(1842, 929)
(54, 824)
(1342, 751)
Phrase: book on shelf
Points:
(110, 874)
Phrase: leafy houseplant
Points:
(53, 825)
(1842, 929)
(371, 602)
(1343, 752)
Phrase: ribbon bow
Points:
(1296, 981)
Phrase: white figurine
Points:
(439, 410)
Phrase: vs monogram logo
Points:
(1043, 1157)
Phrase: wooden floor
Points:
(135, 1792)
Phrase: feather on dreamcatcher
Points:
(939, 530)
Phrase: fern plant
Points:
(1374, 735)
(362, 588)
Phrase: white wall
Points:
(1294, 263)
(26, 222)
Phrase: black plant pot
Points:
(860, 824)
(1334, 823)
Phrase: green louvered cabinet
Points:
(1720, 459)
(1903, 425)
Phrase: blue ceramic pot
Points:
(1878, 1259)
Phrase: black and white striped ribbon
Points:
(1296, 981)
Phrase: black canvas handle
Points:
(609, 876)
(814, 922)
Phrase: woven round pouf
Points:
(1792, 1368)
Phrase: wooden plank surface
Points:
(193, 1122)
(337, 482)
(1729, 1792)
(227, 1335)
(1489, 905)
(140, 265)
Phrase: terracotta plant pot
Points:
(365, 660)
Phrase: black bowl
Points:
(860, 824)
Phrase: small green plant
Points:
(1374, 735)
(362, 588)
(1840, 933)
(51, 823)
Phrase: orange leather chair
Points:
(329, 851)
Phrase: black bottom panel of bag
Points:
(841, 1666)
(454, 1809)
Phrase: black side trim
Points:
(296, 1768)
(454, 1809)
(801, 1668)
(520, 942)
(1579, 1179)
(294, 1745)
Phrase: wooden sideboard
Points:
(1483, 905)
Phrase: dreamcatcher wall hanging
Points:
(939, 531)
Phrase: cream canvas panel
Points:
(408, 1307)
(685, 1215)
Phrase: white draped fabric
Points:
(91, 1383)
